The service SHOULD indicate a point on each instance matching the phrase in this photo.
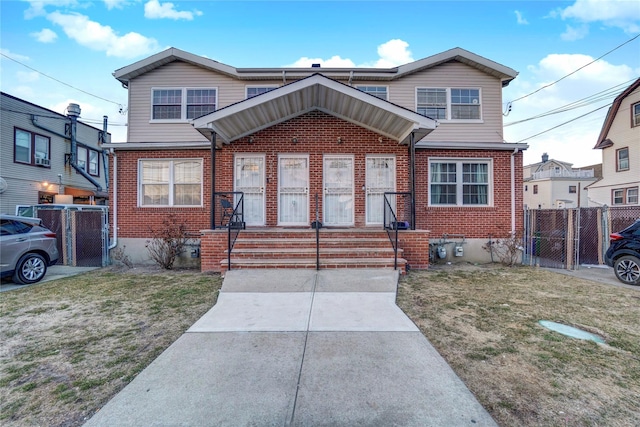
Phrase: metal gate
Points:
(82, 233)
(567, 238)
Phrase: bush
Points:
(508, 250)
(168, 242)
(119, 255)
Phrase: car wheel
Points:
(31, 268)
(627, 269)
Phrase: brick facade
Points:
(317, 134)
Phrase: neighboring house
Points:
(552, 184)
(286, 137)
(619, 141)
(46, 155)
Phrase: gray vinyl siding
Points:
(24, 181)
(230, 90)
(456, 75)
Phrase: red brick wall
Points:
(473, 222)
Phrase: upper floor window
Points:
(258, 90)
(460, 182)
(377, 91)
(625, 196)
(31, 148)
(573, 189)
(622, 159)
(535, 188)
(175, 182)
(182, 103)
(635, 115)
(449, 103)
(88, 160)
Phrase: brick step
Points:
(302, 252)
(311, 263)
(274, 243)
(311, 234)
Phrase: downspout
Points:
(513, 192)
(103, 139)
(213, 182)
(412, 166)
(114, 243)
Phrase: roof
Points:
(603, 141)
(505, 74)
(315, 92)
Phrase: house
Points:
(413, 149)
(619, 141)
(552, 184)
(49, 157)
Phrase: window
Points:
(625, 196)
(573, 189)
(449, 103)
(535, 188)
(258, 90)
(459, 182)
(170, 182)
(88, 160)
(622, 159)
(377, 91)
(31, 148)
(182, 104)
(635, 115)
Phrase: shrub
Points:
(168, 242)
(507, 250)
(119, 255)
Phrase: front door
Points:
(381, 178)
(338, 190)
(293, 189)
(249, 178)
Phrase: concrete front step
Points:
(311, 263)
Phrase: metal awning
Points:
(315, 92)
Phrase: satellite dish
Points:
(3, 185)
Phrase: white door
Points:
(293, 190)
(338, 190)
(249, 178)
(381, 178)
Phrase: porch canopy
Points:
(315, 92)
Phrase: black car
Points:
(624, 254)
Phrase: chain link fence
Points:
(568, 238)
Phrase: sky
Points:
(573, 57)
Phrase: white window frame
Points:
(171, 183)
(183, 103)
(625, 195)
(619, 166)
(246, 89)
(635, 114)
(448, 118)
(363, 88)
(459, 161)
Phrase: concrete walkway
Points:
(303, 348)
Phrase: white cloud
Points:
(116, 4)
(45, 36)
(391, 54)
(624, 14)
(575, 33)
(520, 19)
(572, 142)
(153, 9)
(99, 37)
(334, 62)
(13, 55)
(27, 76)
(38, 7)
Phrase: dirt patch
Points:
(71, 344)
(483, 320)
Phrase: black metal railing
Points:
(317, 225)
(392, 212)
(231, 217)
